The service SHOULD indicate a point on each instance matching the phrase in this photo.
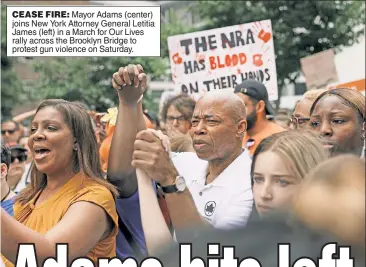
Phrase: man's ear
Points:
(242, 128)
(4, 171)
(261, 107)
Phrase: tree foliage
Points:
(89, 78)
(11, 86)
(300, 28)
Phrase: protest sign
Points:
(319, 69)
(222, 58)
(359, 85)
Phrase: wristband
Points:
(140, 98)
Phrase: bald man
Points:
(210, 186)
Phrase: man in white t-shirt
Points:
(212, 185)
(209, 187)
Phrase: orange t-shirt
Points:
(45, 216)
(254, 140)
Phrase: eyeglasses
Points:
(179, 119)
(21, 158)
(299, 121)
(8, 131)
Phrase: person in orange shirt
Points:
(110, 120)
(68, 200)
(255, 97)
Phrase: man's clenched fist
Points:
(130, 83)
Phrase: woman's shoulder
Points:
(96, 187)
(96, 192)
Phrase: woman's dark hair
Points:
(183, 103)
(5, 155)
(152, 117)
(86, 157)
(350, 97)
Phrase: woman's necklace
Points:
(6, 195)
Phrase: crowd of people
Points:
(221, 169)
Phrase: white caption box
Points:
(69, 31)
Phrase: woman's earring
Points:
(75, 147)
(364, 141)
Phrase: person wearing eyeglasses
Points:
(17, 164)
(10, 131)
(7, 195)
(23, 141)
(176, 116)
(300, 119)
(177, 113)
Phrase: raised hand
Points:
(152, 155)
(173, 132)
(130, 83)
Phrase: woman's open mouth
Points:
(40, 153)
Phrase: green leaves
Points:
(11, 86)
(86, 78)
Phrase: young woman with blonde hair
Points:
(279, 165)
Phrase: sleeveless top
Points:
(45, 216)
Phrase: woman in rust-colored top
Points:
(67, 201)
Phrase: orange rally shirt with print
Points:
(271, 128)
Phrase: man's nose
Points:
(200, 128)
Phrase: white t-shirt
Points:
(226, 203)
(25, 180)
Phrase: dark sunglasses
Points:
(21, 158)
(8, 131)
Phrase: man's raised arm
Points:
(130, 84)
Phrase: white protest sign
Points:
(222, 58)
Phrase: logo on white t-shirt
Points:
(210, 208)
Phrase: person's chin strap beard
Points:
(251, 120)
